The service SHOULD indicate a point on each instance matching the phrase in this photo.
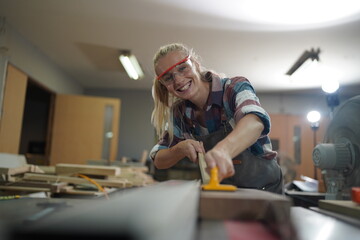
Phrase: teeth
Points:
(185, 87)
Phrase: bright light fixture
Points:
(299, 12)
(294, 13)
(131, 65)
(313, 116)
(330, 86)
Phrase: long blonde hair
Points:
(162, 117)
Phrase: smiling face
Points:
(181, 78)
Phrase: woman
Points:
(197, 111)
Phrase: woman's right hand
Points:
(189, 148)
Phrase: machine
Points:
(339, 155)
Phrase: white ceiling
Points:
(83, 37)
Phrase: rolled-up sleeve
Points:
(243, 100)
(165, 143)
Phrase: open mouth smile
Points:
(184, 87)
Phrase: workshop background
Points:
(66, 52)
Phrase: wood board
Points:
(75, 180)
(70, 169)
(345, 207)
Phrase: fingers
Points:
(190, 148)
(223, 162)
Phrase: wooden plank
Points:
(135, 177)
(70, 169)
(20, 170)
(14, 171)
(345, 207)
(75, 180)
(130, 165)
(32, 186)
(71, 190)
(26, 189)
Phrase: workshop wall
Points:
(22, 54)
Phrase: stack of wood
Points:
(70, 178)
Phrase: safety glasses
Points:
(181, 68)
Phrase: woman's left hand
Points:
(221, 159)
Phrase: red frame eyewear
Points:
(170, 68)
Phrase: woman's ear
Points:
(197, 66)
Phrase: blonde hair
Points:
(162, 116)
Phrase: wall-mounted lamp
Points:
(314, 118)
(305, 59)
(330, 88)
(131, 65)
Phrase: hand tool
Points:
(202, 164)
(212, 183)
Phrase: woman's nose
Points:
(177, 76)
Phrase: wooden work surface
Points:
(243, 204)
(249, 205)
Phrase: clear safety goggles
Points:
(181, 68)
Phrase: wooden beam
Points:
(71, 169)
(75, 180)
(344, 207)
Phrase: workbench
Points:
(18, 214)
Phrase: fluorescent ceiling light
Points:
(131, 65)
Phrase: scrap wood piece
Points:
(76, 180)
(21, 169)
(52, 187)
(24, 188)
(130, 168)
(70, 169)
(47, 169)
(136, 178)
(73, 191)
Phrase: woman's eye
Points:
(182, 68)
(168, 78)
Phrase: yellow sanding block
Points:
(214, 184)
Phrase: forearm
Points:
(166, 158)
(245, 134)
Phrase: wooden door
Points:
(296, 141)
(13, 109)
(79, 132)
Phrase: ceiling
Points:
(83, 37)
